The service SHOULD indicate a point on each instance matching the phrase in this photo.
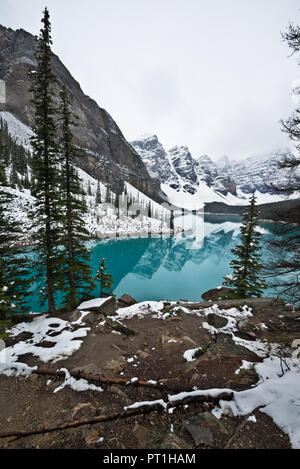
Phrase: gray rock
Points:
(216, 321)
(119, 327)
(108, 308)
(202, 428)
(172, 441)
(126, 300)
(201, 435)
(224, 346)
(142, 435)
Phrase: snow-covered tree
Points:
(98, 193)
(245, 281)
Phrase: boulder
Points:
(126, 300)
(142, 435)
(216, 321)
(105, 306)
(224, 346)
(216, 294)
(204, 426)
(119, 327)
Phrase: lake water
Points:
(176, 267)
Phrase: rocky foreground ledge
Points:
(213, 374)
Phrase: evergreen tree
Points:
(77, 268)
(105, 280)
(245, 281)
(172, 226)
(284, 264)
(47, 213)
(98, 193)
(89, 192)
(14, 272)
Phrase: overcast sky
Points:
(210, 74)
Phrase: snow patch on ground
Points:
(76, 384)
(65, 341)
(276, 395)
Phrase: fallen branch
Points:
(78, 423)
(97, 379)
(143, 410)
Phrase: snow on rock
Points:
(95, 303)
(141, 309)
(44, 329)
(15, 369)
(252, 418)
(189, 355)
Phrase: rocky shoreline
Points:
(209, 347)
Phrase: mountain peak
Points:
(107, 155)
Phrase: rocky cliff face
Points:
(156, 159)
(179, 169)
(107, 155)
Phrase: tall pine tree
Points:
(47, 213)
(14, 282)
(77, 265)
(245, 281)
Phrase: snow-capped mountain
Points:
(260, 172)
(179, 170)
(190, 182)
(156, 160)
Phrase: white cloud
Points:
(212, 74)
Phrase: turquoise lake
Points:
(176, 267)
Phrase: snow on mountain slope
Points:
(183, 174)
(200, 180)
(19, 131)
(101, 220)
(260, 172)
(156, 159)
